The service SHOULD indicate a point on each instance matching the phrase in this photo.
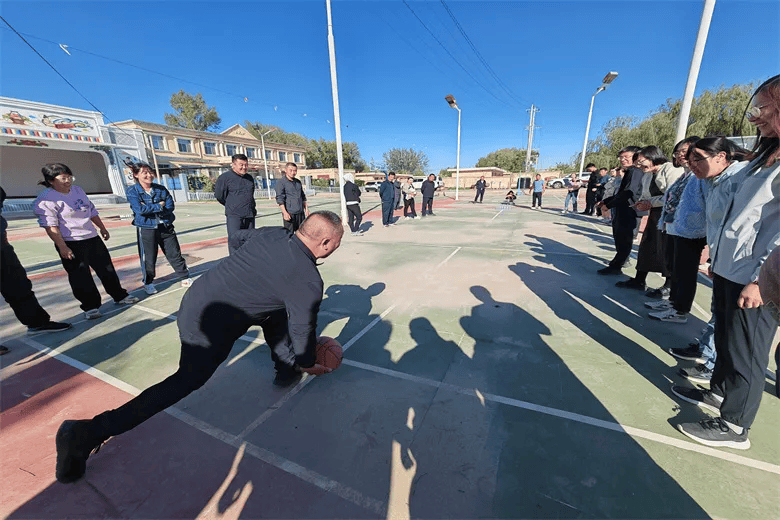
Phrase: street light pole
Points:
(265, 162)
(609, 78)
(451, 100)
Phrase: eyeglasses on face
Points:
(754, 112)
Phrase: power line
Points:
(450, 54)
(481, 59)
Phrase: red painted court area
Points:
(162, 469)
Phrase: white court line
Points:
(584, 419)
(446, 259)
(497, 214)
(288, 466)
(613, 301)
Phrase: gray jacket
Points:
(290, 194)
(743, 220)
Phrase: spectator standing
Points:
(480, 187)
(235, 189)
(740, 242)
(291, 199)
(603, 180)
(572, 193)
(621, 205)
(352, 196)
(610, 188)
(409, 193)
(398, 194)
(387, 196)
(17, 290)
(659, 174)
(153, 218)
(591, 188)
(428, 189)
(69, 218)
(538, 189)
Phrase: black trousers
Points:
(197, 364)
(743, 338)
(236, 224)
(295, 221)
(355, 217)
(599, 198)
(590, 201)
(623, 224)
(480, 194)
(427, 206)
(685, 270)
(163, 237)
(387, 212)
(91, 253)
(536, 200)
(16, 289)
(409, 208)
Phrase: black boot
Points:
(75, 442)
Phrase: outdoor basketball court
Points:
(488, 372)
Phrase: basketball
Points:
(329, 352)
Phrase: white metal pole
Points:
(587, 130)
(693, 72)
(457, 161)
(265, 163)
(336, 114)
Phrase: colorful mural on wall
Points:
(48, 125)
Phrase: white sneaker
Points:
(150, 288)
(675, 317)
(662, 313)
(659, 305)
(92, 314)
(129, 300)
(187, 282)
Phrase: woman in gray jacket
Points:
(743, 227)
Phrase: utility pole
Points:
(336, 113)
(533, 110)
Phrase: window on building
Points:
(250, 153)
(174, 183)
(283, 156)
(210, 148)
(185, 145)
(297, 157)
(269, 155)
(158, 143)
(231, 149)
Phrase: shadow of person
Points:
(535, 456)
(351, 302)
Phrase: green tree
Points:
(509, 159)
(277, 135)
(405, 161)
(713, 112)
(444, 172)
(192, 112)
(322, 154)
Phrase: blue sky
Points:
(393, 73)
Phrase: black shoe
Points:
(75, 443)
(688, 354)
(52, 326)
(285, 378)
(631, 283)
(4, 350)
(701, 398)
(716, 433)
(610, 270)
(662, 293)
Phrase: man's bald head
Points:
(321, 232)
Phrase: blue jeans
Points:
(571, 196)
(707, 341)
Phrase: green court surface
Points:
(489, 372)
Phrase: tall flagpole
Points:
(336, 114)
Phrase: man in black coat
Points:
(621, 206)
(291, 198)
(235, 189)
(272, 281)
(427, 189)
(387, 195)
(480, 187)
(592, 188)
